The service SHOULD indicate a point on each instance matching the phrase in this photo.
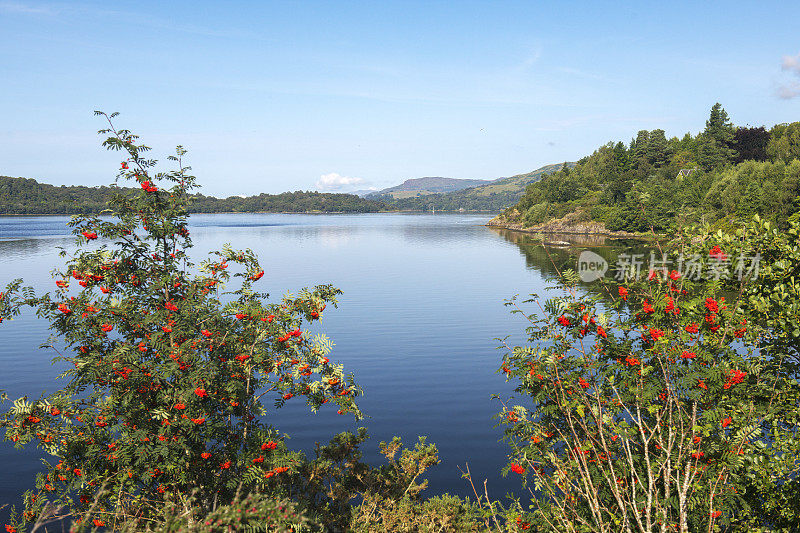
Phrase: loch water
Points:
(417, 323)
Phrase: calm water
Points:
(422, 305)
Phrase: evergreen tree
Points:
(716, 141)
(657, 148)
(617, 179)
(639, 147)
(708, 154)
(638, 159)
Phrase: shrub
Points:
(169, 386)
(656, 412)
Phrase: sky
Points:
(339, 96)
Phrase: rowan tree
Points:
(653, 406)
(174, 367)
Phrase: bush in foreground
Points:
(671, 408)
(169, 387)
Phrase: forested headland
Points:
(20, 196)
(654, 183)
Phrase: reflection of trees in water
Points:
(437, 234)
(550, 259)
(553, 238)
(27, 247)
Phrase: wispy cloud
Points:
(787, 92)
(76, 9)
(27, 9)
(580, 73)
(790, 89)
(337, 182)
(531, 58)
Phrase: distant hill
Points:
(428, 185)
(363, 192)
(488, 195)
(516, 184)
(29, 197)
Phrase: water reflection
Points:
(432, 234)
(553, 239)
(27, 247)
(554, 253)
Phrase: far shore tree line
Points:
(24, 196)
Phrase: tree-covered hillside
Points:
(494, 196)
(287, 202)
(29, 197)
(722, 173)
(427, 185)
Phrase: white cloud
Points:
(786, 92)
(337, 182)
(791, 63)
(791, 89)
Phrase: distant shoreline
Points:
(272, 213)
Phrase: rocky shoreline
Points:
(564, 227)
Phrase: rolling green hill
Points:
(493, 195)
(516, 184)
(429, 185)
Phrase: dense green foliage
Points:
(22, 196)
(454, 201)
(772, 303)
(719, 175)
(287, 202)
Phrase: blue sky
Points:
(276, 96)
